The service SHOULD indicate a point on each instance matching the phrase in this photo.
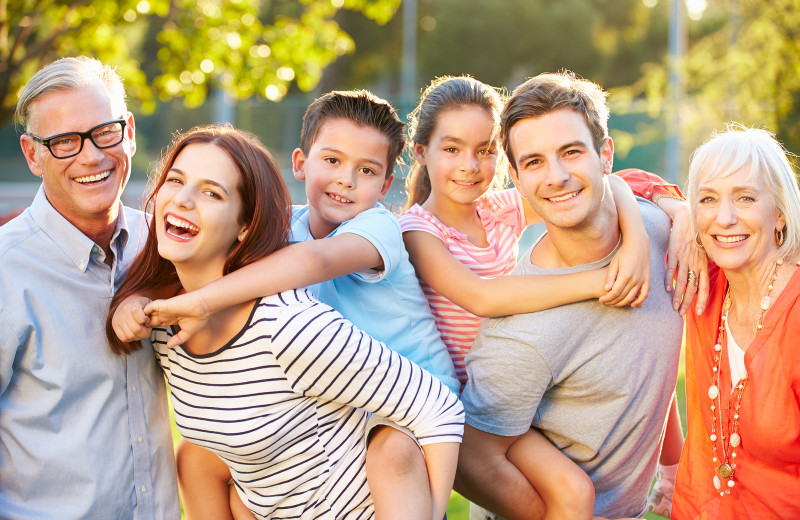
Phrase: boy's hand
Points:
(187, 311)
(130, 322)
(684, 256)
(628, 279)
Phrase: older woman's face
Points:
(737, 219)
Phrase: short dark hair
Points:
(549, 92)
(362, 108)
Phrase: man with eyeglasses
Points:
(83, 432)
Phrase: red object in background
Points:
(8, 216)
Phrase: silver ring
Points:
(692, 278)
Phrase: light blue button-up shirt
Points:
(84, 433)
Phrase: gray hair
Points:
(757, 150)
(68, 74)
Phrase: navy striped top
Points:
(285, 405)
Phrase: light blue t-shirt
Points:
(388, 305)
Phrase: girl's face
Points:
(197, 211)
(461, 155)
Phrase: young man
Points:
(596, 381)
(83, 433)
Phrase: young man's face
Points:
(558, 169)
(345, 173)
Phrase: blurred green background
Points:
(675, 69)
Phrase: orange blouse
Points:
(767, 474)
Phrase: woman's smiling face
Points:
(737, 219)
(197, 211)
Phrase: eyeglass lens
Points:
(103, 137)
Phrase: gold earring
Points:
(779, 238)
(241, 236)
(697, 243)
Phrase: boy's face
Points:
(558, 169)
(345, 173)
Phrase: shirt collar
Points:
(75, 245)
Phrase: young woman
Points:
(278, 388)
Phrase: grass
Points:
(458, 508)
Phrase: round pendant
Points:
(735, 440)
(725, 471)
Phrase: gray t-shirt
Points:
(597, 381)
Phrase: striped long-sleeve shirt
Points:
(285, 405)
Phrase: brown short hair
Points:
(362, 108)
(549, 92)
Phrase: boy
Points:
(351, 244)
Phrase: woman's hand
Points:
(188, 311)
(628, 278)
(684, 256)
(130, 322)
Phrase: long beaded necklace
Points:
(724, 467)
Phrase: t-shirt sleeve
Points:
(508, 208)
(326, 356)
(382, 230)
(506, 379)
(647, 185)
(412, 220)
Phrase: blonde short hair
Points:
(739, 147)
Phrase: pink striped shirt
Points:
(503, 219)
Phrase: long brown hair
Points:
(266, 212)
(444, 93)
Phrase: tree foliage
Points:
(746, 70)
(181, 48)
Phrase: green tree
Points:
(746, 69)
(181, 48)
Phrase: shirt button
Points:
(82, 266)
(139, 440)
(647, 193)
(133, 389)
(144, 489)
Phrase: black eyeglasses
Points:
(70, 144)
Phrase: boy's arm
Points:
(498, 296)
(291, 267)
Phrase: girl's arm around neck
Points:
(499, 296)
(628, 279)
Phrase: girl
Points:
(461, 236)
(279, 387)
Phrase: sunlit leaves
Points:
(181, 48)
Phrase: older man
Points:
(83, 433)
(596, 381)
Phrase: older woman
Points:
(742, 453)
